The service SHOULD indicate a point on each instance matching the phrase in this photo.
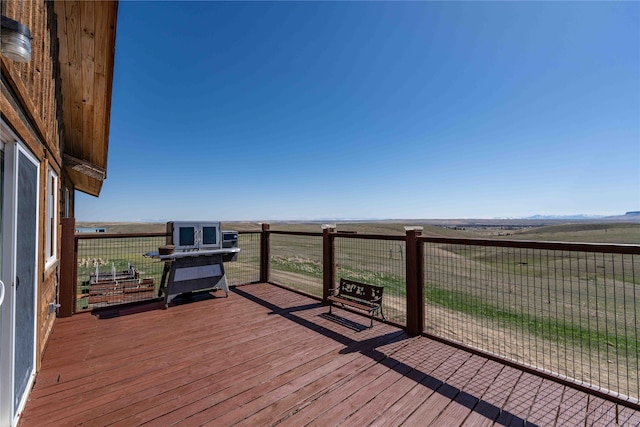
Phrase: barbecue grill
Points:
(197, 260)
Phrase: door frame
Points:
(13, 147)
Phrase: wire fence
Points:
(296, 261)
(571, 313)
(113, 269)
(246, 269)
(375, 261)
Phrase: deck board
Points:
(460, 407)
(266, 356)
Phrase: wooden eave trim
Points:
(110, 68)
(84, 167)
(83, 183)
(92, 188)
(88, 190)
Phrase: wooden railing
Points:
(570, 311)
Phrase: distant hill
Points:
(585, 231)
(632, 216)
(566, 217)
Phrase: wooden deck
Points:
(268, 356)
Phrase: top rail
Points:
(295, 233)
(128, 235)
(341, 234)
(397, 237)
(531, 244)
(90, 236)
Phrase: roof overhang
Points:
(87, 36)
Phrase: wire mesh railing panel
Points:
(296, 262)
(113, 270)
(246, 269)
(571, 313)
(376, 262)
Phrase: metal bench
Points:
(358, 295)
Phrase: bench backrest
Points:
(362, 291)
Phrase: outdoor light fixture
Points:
(15, 40)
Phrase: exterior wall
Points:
(30, 103)
(38, 76)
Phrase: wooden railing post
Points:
(68, 269)
(265, 252)
(328, 261)
(415, 281)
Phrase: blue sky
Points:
(315, 110)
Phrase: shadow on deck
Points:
(268, 356)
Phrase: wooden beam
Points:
(265, 251)
(63, 55)
(73, 128)
(87, 71)
(328, 262)
(414, 281)
(68, 267)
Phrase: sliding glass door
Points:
(19, 171)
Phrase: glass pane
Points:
(209, 235)
(27, 224)
(187, 236)
(1, 202)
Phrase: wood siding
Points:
(35, 81)
(30, 102)
(48, 292)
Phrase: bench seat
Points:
(361, 296)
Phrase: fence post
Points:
(265, 252)
(68, 269)
(328, 261)
(415, 281)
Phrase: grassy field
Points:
(623, 233)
